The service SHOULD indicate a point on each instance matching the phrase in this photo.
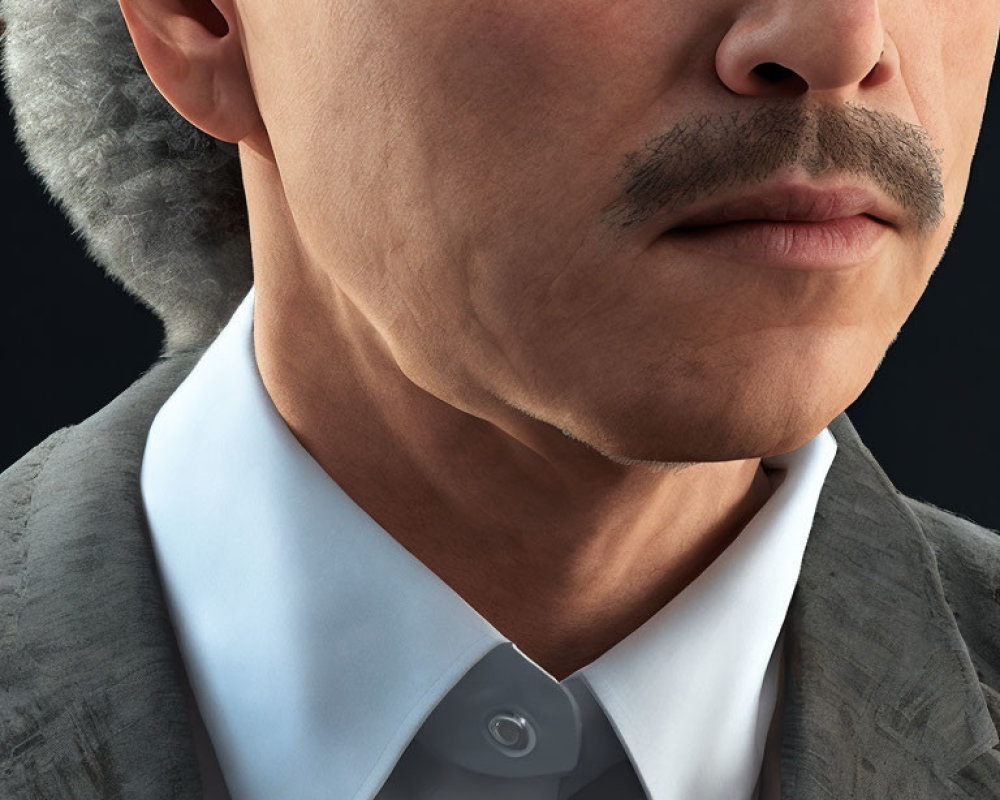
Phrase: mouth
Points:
(790, 244)
(772, 220)
(791, 227)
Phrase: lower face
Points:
(687, 352)
(449, 176)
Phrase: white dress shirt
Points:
(326, 661)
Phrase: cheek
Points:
(947, 51)
(967, 55)
(505, 88)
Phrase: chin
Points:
(746, 397)
(703, 431)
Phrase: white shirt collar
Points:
(317, 645)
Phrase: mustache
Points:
(703, 154)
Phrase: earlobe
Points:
(193, 54)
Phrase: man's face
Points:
(497, 184)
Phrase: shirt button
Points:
(512, 733)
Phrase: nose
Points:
(790, 47)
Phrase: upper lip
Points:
(792, 202)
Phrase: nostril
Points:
(773, 73)
(774, 76)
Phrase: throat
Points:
(563, 608)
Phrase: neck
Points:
(564, 551)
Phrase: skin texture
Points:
(465, 311)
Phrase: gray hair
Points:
(158, 203)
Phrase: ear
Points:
(192, 51)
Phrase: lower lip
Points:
(829, 245)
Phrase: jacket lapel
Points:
(881, 698)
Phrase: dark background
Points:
(72, 340)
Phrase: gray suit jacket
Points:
(892, 640)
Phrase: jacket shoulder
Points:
(80, 468)
(17, 498)
(968, 559)
(81, 614)
(17, 485)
